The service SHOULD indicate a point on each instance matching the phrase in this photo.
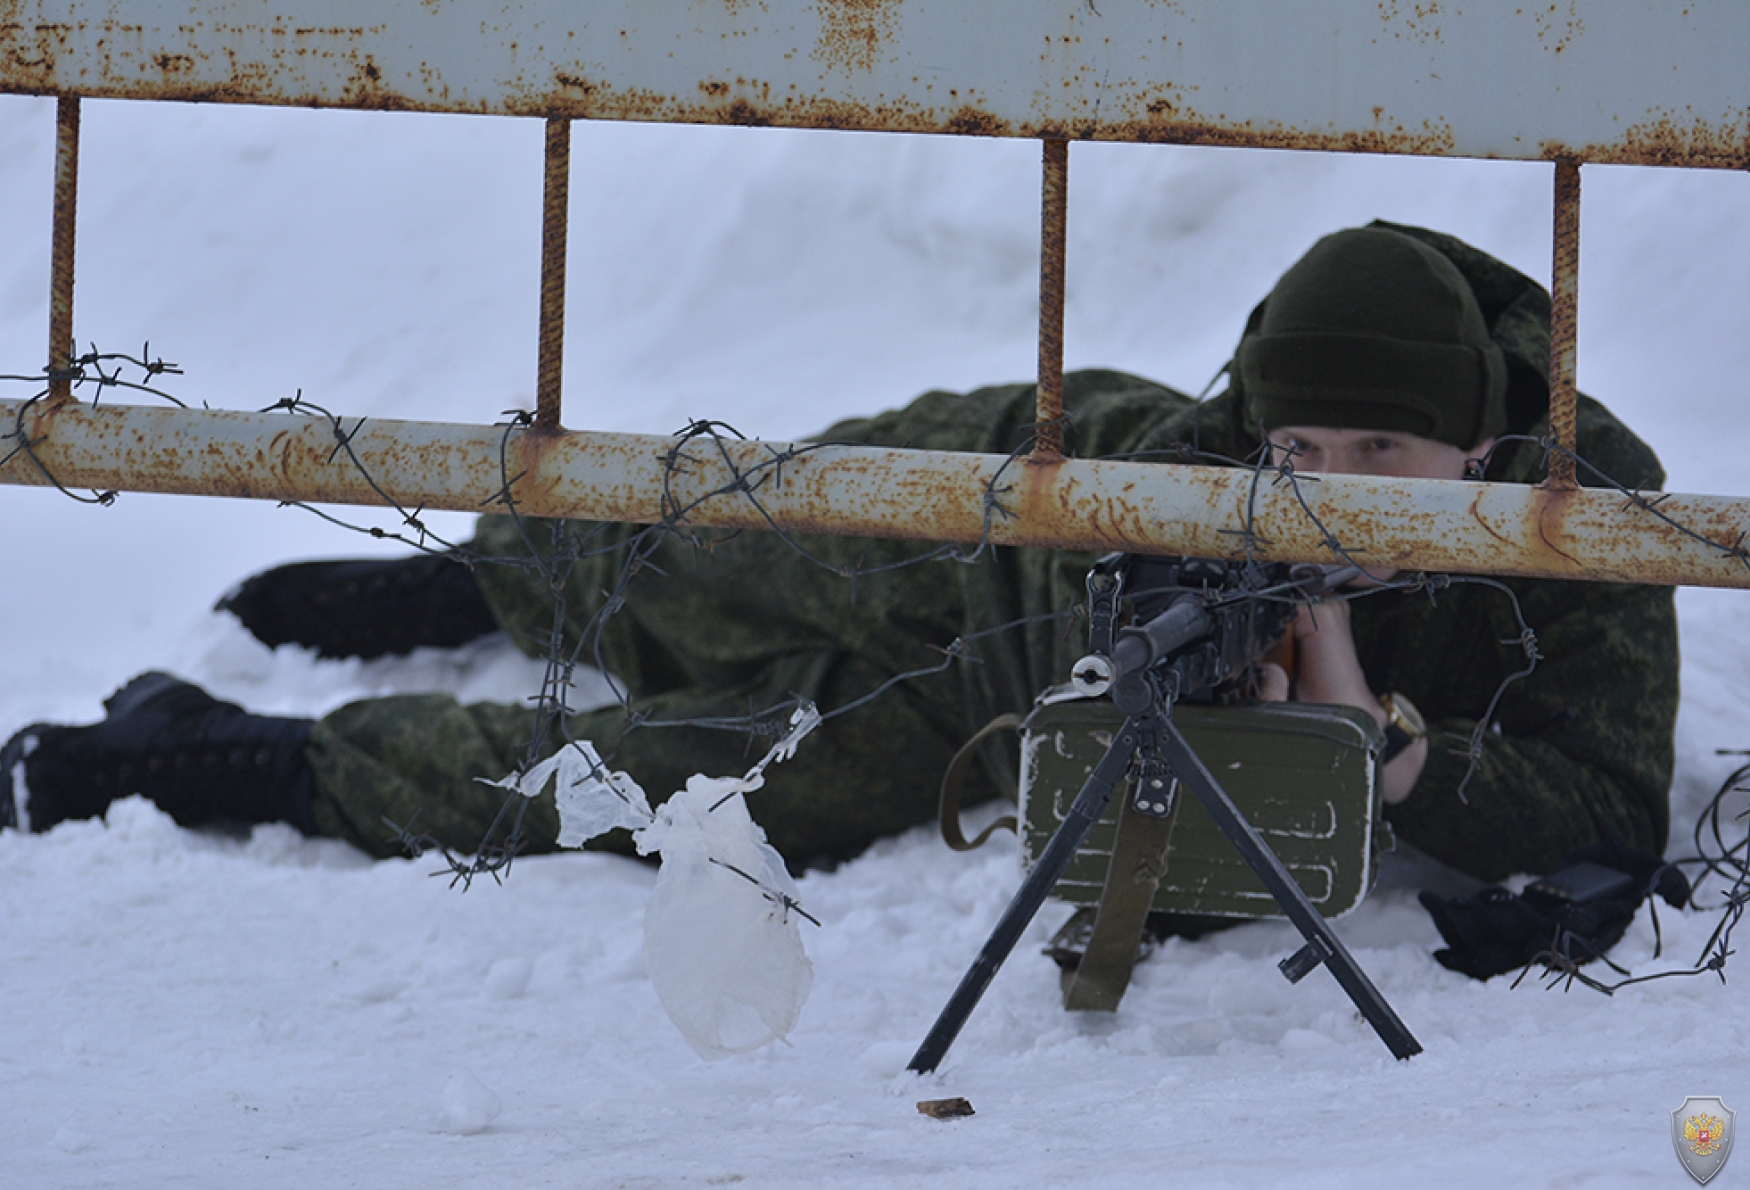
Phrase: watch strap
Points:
(1396, 740)
(1403, 726)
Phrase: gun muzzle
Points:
(1138, 648)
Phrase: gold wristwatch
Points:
(1403, 725)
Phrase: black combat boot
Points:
(200, 760)
(364, 608)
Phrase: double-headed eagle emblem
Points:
(1702, 1134)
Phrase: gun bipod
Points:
(1150, 731)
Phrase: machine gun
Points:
(1204, 624)
(1200, 626)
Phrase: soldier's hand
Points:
(1272, 682)
(1327, 670)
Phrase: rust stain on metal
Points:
(1564, 321)
(555, 218)
(1482, 521)
(62, 249)
(366, 91)
(867, 491)
(1432, 140)
(853, 32)
(34, 64)
(1043, 493)
(1054, 219)
(1553, 529)
(854, 36)
(1668, 140)
(190, 76)
(747, 114)
(1163, 117)
(972, 121)
(1556, 31)
(1411, 21)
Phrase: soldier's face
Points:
(1371, 452)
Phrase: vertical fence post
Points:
(555, 213)
(1564, 323)
(61, 349)
(1054, 219)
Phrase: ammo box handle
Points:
(948, 813)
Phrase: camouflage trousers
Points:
(715, 626)
(711, 631)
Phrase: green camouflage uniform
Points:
(720, 632)
(1580, 751)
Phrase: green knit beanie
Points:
(1374, 330)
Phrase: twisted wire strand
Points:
(565, 653)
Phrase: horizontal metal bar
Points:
(1637, 81)
(867, 491)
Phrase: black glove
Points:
(1577, 912)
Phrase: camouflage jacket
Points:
(1577, 751)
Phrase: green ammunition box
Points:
(1306, 776)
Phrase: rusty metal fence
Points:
(1640, 83)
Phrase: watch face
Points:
(1403, 712)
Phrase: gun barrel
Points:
(1137, 649)
(1184, 621)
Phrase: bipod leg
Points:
(1322, 946)
(1086, 810)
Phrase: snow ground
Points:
(190, 1009)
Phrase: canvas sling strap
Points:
(1139, 860)
(948, 808)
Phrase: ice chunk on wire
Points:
(722, 934)
(802, 721)
(722, 940)
(591, 800)
(722, 937)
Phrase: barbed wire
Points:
(1278, 462)
(1727, 861)
(343, 439)
(785, 902)
(1557, 959)
(552, 704)
(704, 443)
(99, 372)
(1634, 497)
(102, 371)
(553, 708)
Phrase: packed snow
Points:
(203, 1009)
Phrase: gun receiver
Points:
(1203, 622)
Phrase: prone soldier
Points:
(1386, 350)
